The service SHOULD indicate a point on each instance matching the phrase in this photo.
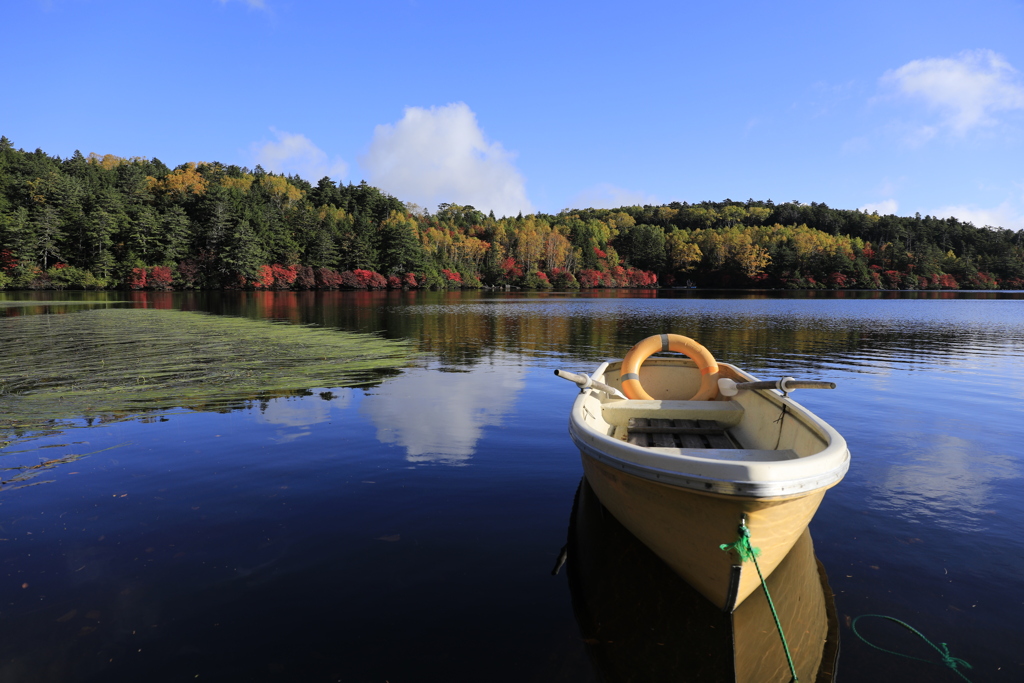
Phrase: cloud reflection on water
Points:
(944, 480)
(440, 416)
(299, 413)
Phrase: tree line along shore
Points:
(106, 222)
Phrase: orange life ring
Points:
(629, 374)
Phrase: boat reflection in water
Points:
(641, 622)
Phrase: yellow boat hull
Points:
(686, 528)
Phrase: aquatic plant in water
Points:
(61, 371)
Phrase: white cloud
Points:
(607, 196)
(967, 90)
(884, 207)
(1009, 214)
(295, 153)
(441, 155)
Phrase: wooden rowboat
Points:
(707, 455)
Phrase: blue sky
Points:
(900, 107)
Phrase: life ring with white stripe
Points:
(629, 374)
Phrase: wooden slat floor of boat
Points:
(677, 433)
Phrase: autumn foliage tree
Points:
(101, 221)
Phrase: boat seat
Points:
(701, 438)
(664, 433)
(618, 413)
(731, 454)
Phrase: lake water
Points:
(406, 530)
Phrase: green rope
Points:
(947, 659)
(749, 553)
(742, 546)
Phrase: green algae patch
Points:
(60, 371)
(17, 303)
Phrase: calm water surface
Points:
(406, 530)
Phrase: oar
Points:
(585, 382)
(728, 387)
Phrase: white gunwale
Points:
(790, 473)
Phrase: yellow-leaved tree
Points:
(183, 181)
(683, 252)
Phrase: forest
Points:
(106, 222)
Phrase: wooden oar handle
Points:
(787, 384)
(572, 377)
(585, 382)
(729, 387)
(809, 384)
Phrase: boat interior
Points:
(752, 426)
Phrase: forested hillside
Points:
(94, 222)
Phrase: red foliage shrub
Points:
(394, 282)
(982, 280)
(305, 278)
(452, 275)
(838, 281)
(562, 277)
(409, 280)
(634, 277)
(284, 277)
(363, 276)
(589, 278)
(510, 270)
(265, 278)
(363, 279)
(1013, 283)
(188, 272)
(349, 280)
(137, 278)
(599, 253)
(328, 278)
(7, 260)
(160, 277)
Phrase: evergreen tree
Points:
(48, 235)
(100, 229)
(142, 234)
(173, 236)
(17, 235)
(244, 255)
(398, 247)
